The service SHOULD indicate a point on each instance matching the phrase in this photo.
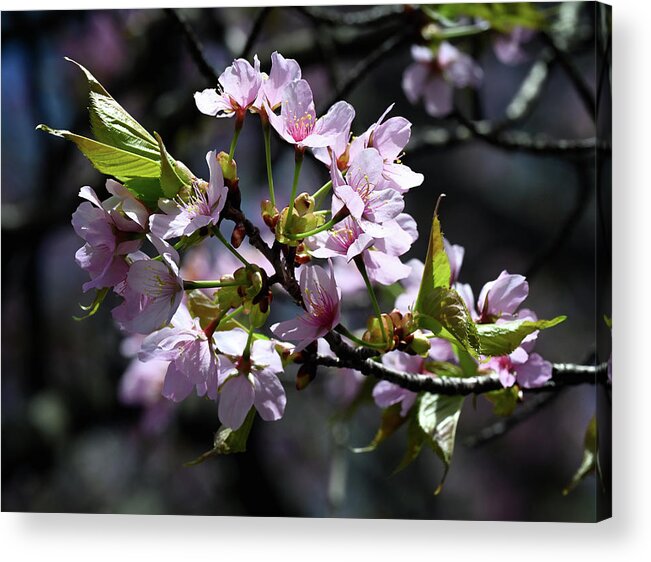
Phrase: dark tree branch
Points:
(282, 275)
(571, 222)
(363, 18)
(530, 407)
(573, 73)
(564, 374)
(262, 16)
(194, 46)
(363, 67)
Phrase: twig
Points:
(570, 223)
(563, 374)
(255, 30)
(194, 46)
(368, 17)
(504, 425)
(364, 66)
(574, 75)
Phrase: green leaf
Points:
(109, 160)
(438, 417)
(113, 125)
(437, 267)
(170, 182)
(203, 307)
(148, 190)
(391, 421)
(503, 338)
(228, 441)
(438, 307)
(93, 307)
(504, 401)
(590, 458)
(415, 440)
(444, 369)
(257, 318)
(444, 312)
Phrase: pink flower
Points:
(141, 385)
(321, 296)
(152, 292)
(239, 86)
(434, 78)
(108, 228)
(298, 124)
(508, 46)
(193, 363)
(200, 209)
(387, 394)
(390, 138)
(502, 297)
(247, 383)
(380, 256)
(529, 370)
(283, 71)
(363, 193)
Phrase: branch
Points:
(364, 66)
(563, 374)
(194, 46)
(272, 254)
(504, 425)
(255, 31)
(361, 18)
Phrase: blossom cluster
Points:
(204, 336)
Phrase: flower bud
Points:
(420, 343)
(304, 204)
(305, 375)
(374, 334)
(228, 166)
(269, 214)
(239, 232)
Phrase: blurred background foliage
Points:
(70, 445)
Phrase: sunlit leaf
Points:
(391, 421)
(590, 460)
(438, 417)
(503, 338)
(110, 160)
(228, 441)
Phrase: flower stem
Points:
(298, 163)
(228, 245)
(247, 348)
(232, 315)
(352, 337)
(325, 226)
(320, 193)
(189, 285)
(359, 262)
(267, 152)
(239, 121)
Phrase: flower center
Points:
(300, 127)
(197, 203)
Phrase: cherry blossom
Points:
(183, 217)
(321, 295)
(433, 77)
(152, 291)
(246, 382)
(108, 228)
(297, 123)
(239, 86)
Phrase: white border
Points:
(626, 537)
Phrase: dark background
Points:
(68, 444)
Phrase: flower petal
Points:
(235, 401)
(269, 398)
